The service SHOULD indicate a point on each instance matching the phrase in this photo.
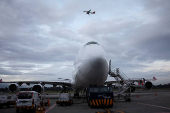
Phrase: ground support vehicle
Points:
(64, 99)
(7, 100)
(27, 100)
(100, 96)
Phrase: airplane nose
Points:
(98, 62)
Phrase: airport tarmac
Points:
(148, 102)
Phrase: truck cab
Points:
(27, 100)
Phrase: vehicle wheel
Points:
(111, 106)
(8, 105)
(91, 106)
(1, 106)
(17, 111)
(128, 100)
(34, 109)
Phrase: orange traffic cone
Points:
(155, 94)
(137, 96)
(48, 103)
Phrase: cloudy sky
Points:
(39, 40)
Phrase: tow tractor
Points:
(100, 96)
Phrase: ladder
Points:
(122, 81)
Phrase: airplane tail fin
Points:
(0, 80)
(94, 12)
(154, 78)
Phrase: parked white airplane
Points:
(91, 68)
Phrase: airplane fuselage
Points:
(90, 66)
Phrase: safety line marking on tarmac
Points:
(112, 112)
(153, 105)
(50, 108)
(107, 110)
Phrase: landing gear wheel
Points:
(76, 94)
(128, 100)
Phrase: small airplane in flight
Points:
(88, 12)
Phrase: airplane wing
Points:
(151, 79)
(39, 82)
(139, 80)
(38, 86)
(142, 79)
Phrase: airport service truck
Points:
(27, 100)
(64, 99)
(100, 96)
(7, 100)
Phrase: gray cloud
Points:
(8, 72)
(40, 38)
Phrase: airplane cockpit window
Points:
(92, 42)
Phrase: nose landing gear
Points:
(76, 94)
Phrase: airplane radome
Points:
(90, 66)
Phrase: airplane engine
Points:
(38, 88)
(14, 88)
(148, 85)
